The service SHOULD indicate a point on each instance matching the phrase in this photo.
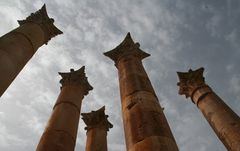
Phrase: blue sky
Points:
(179, 34)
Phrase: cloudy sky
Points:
(179, 34)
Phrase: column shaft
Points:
(222, 119)
(96, 140)
(18, 46)
(16, 49)
(145, 125)
(61, 131)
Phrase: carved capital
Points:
(41, 18)
(96, 119)
(77, 78)
(126, 47)
(190, 81)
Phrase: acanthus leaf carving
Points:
(96, 119)
(77, 78)
(190, 81)
(41, 18)
(126, 47)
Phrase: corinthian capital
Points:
(77, 78)
(125, 48)
(41, 18)
(96, 119)
(190, 81)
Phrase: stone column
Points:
(222, 119)
(97, 127)
(61, 131)
(18, 46)
(145, 125)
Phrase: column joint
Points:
(67, 102)
(202, 97)
(28, 39)
(56, 130)
(140, 91)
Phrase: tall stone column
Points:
(18, 46)
(61, 131)
(97, 127)
(145, 125)
(222, 119)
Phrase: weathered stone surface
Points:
(61, 131)
(97, 127)
(144, 99)
(155, 143)
(18, 46)
(143, 117)
(221, 118)
(133, 76)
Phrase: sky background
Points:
(179, 35)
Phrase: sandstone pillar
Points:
(222, 119)
(145, 125)
(97, 127)
(18, 46)
(61, 131)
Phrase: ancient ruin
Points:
(145, 125)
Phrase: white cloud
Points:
(235, 83)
